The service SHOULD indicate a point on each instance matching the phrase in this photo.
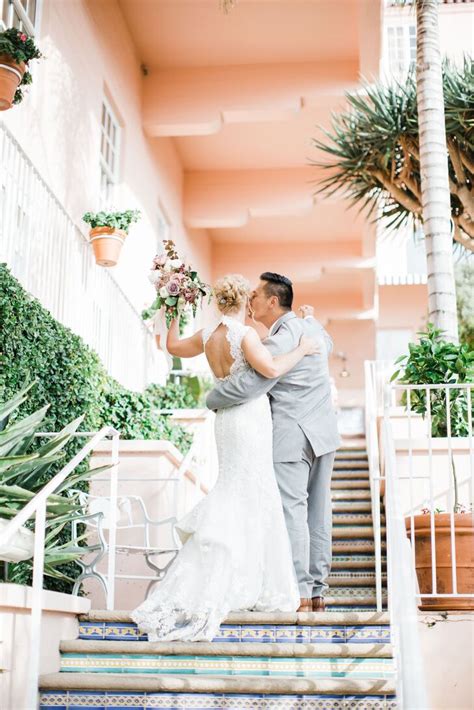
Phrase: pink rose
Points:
(23, 37)
(160, 260)
(173, 287)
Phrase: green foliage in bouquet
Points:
(72, 382)
(18, 46)
(116, 220)
(434, 360)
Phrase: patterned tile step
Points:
(350, 495)
(343, 518)
(262, 618)
(359, 532)
(351, 455)
(350, 464)
(350, 484)
(354, 546)
(102, 700)
(353, 506)
(355, 562)
(348, 474)
(229, 665)
(269, 633)
(231, 685)
(353, 579)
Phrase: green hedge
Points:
(71, 378)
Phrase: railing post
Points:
(36, 611)
(113, 522)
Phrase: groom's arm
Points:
(244, 386)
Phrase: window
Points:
(22, 14)
(109, 153)
(401, 48)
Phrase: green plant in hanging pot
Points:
(434, 360)
(16, 51)
(108, 232)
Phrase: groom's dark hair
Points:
(279, 286)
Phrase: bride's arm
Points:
(185, 347)
(268, 365)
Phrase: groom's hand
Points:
(306, 311)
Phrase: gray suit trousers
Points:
(305, 488)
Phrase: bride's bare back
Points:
(217, 351)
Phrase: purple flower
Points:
(173, 287)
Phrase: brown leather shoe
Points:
(318, 604)
(305, 605)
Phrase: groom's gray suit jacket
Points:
(300, 400)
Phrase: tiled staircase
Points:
(327, 661)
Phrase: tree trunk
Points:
(435, 194)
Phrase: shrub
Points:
(434, 360)
(72, 380)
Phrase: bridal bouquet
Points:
(178, 286)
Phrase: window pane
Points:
(32, 10)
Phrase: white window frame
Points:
(31, 27)
(401, 40)
(112, 174)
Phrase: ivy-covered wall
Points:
(72, 380)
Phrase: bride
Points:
(236, 552)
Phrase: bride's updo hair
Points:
(231, 293)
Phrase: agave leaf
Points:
(8, 407)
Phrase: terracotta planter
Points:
(11, 74)
(464, 542)
(107, 244)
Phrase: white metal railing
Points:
(416, 469)
(437, 470)
(50, 256)
(37, 507)
(197, 459)
(401, 584)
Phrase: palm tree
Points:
(434, 172)
(390, 152)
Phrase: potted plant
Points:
(108, 232)
(437, 361)
(16, 51)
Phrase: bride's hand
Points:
(309, 346)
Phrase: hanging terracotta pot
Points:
(464, 549)
(107, 244)
(11, 74)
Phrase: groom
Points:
(305, 434)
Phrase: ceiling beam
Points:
(200, 100)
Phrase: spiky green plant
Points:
(373, 150)
(24, 467)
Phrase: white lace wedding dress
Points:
(236, 552)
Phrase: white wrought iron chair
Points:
(98, 519)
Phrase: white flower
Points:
(163, 292)
(168, 266)
(181, 302)
(176, 263)
(154, 277)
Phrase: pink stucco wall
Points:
(90, 53)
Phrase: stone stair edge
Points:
(328, 618)
(214, 684)
(222, 648)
